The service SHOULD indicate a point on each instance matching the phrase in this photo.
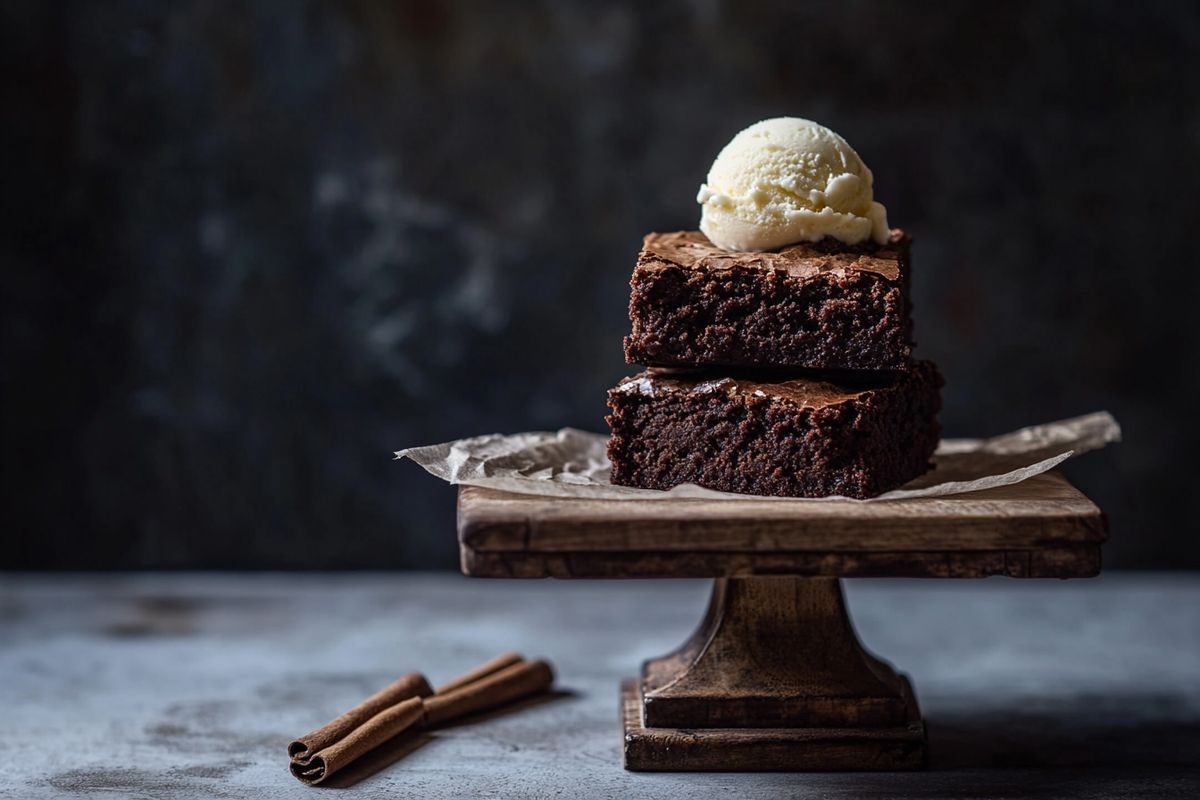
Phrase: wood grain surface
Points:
(1042, 527)
(755, 749)
(774, 653)
(774, 677)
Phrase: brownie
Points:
(822, 305)
(858, 435)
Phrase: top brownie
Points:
(820, 305)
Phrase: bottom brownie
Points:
(802, 437)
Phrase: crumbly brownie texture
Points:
(804, 437)
(822, 305)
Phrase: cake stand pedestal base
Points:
(773, 678)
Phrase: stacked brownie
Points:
(774, 373)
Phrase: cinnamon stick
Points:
(483, 670)
(503, 679)
(510, 683)
(411, 685)
(378, 729)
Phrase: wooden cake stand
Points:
(775, 676)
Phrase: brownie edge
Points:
(821, 305)
(803, 437)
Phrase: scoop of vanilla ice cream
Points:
(789, 180)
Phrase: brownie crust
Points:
(822, 305)
(805, 437)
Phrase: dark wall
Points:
(249, 249)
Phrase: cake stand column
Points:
(773, 678)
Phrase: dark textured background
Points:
(249, 249)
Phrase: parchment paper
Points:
(573, 463)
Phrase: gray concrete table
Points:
(172, 686)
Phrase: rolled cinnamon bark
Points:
(378, 729)
(411, 685)
(506, 678)
(510, 683)
(483, 670)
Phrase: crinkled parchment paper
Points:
(573, 463)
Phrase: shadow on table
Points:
(1111, 731)
(405, 744)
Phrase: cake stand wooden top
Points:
(1042, 527)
